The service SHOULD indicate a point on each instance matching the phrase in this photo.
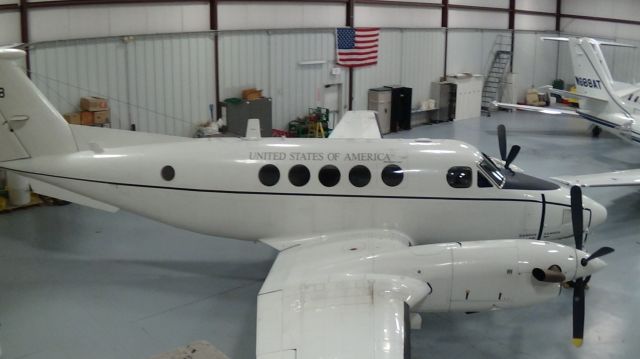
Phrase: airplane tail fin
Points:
(592, 76)
(29, 125)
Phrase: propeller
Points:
(579, 283)
(502, 144)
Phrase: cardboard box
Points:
(73, 118)
(86, 118)
(251, 94)
(91, 103)
(100, 117)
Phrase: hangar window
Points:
(168, 173)
(329, 175)
(359, 176)
(483, 182)
(269, 175)
(459, 177)
(299, 175)
(392, 175)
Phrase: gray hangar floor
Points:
(80, 283)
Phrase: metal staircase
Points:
(494, 81)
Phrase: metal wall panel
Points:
(388, 71)
(296, 87)
(469, 50)
(422, 61)
(244, 62)
(534, 61)
(271, 61)
(160, 83)
(408, 57)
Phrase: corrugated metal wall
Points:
(534, 61)
(469, 50)
(162, 83)
(408, 57)
(271, 61)
(165, 83)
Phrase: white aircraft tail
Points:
(593, 78)
(29, 125)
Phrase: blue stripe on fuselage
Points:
(606, 123)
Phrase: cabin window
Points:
(483, 182)
(460, 177)
(359, 176)
(299, 175)
(392, 175)
(269, 175)
(168, 173)
(329, 175)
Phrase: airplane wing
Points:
(606, 179)
(547, 110)
(310, 308)
(357, 124)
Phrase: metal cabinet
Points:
(239, 113)
(380, 101)
(445, 95)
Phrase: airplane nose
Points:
(598, 212)
(593, 266)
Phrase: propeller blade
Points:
(502, 142)
(576, 215)
(599, 253)
(578, 312)
(513, 153)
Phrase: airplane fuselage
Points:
(431, 190)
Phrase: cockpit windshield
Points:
(490, 168)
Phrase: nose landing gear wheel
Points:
(595, 131)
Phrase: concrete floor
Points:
(79, 283)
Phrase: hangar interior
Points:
(79, 283)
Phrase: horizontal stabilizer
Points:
(604, 43)
(61, 193)
(552, 38)
(547, 110)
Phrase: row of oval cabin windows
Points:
(359, 176)
(329, 175)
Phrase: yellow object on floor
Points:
(3, 203)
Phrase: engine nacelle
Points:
(496, 274)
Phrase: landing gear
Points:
(595, 131)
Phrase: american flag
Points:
(357, 47)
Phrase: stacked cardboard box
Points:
(95, 111)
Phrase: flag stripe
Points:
(352, 54)
(361, 59)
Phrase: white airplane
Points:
(611, 105)
(368, 230)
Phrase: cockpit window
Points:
(483, 182)
(460, 177)
(492, 170)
